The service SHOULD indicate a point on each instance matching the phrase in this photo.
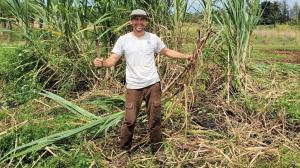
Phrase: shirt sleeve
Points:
(159, 44)
(118, 47)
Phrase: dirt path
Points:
(292, 56)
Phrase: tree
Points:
(295, 12)
(271, 12)
(284, 16)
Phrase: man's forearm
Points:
(107, 64)
(174, 54)
(110, 61)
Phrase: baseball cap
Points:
(138, 12)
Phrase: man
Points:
(142, 79)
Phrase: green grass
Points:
(80, 155)
(272, 72)
(279, 82)
(283, 80)
(282, 37)
(288, 158)
(37, 123)
(266, 56)
(6, 50)
(44, 122)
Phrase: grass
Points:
(289, 159)
(272, 70)
(281, 79)
(6, 50)
(104, 123)
(261, 56)
(282, 37)
(26, 136)
(33, 121)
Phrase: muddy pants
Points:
(134, 97)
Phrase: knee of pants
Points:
(129, 123)
(130, 114)
(155, 115)
(157, 108)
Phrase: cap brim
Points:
(138, 15)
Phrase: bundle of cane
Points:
(186, 74)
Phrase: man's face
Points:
(139, 23)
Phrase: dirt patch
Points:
(292, 56)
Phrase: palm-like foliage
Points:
(102, 123)
(237, 20)
(65, 45)
(180, 9)
(22, 12)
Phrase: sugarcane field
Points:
(160, 83)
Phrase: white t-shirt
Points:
(140, 62)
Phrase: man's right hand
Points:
(98, 62)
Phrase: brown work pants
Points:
(134, 97)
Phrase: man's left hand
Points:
(191, 58)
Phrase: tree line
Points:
(279, 12)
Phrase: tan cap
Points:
(138, 12)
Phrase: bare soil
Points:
(292, 56)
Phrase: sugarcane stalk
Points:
(186, 73)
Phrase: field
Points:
(276, 55)
(274, 67)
